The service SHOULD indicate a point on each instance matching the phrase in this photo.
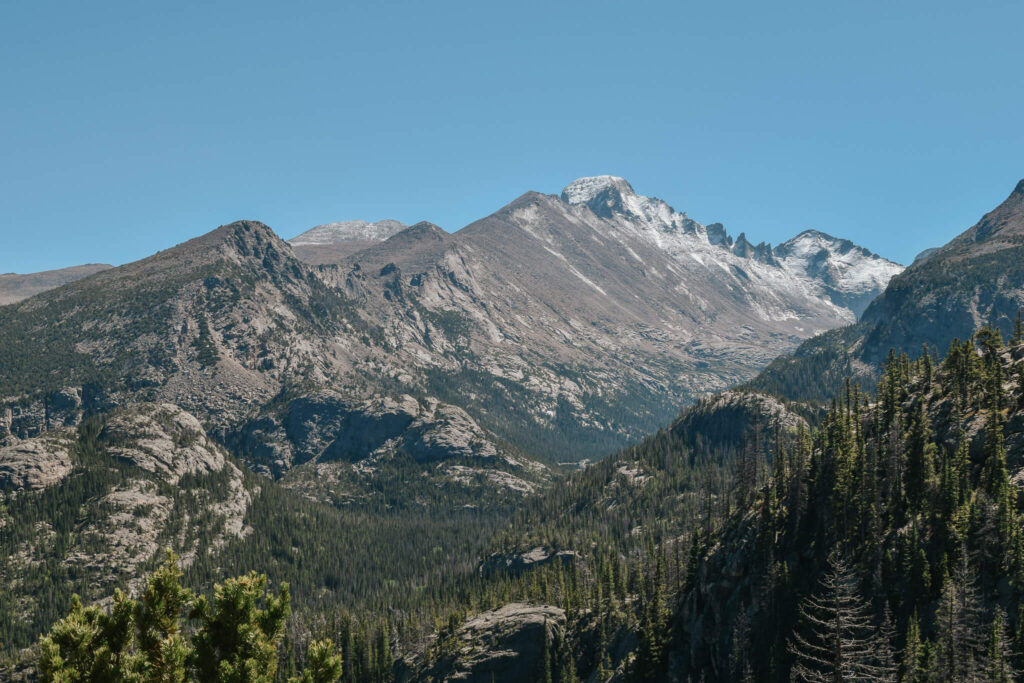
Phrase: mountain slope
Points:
(976, 279)
(919, 491)
(15, 287)
(233, 328)
(580, 322)
(566, 326)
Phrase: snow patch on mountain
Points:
(345, 231)
(848, 274)
(812, 264)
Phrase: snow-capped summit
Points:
(823, 266)
(335, 242)
(850, 275)
(614, 198)
(347, 231)
(599, 187)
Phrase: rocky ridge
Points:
(565, 326)
(974, 280)
(333, 242)
(15, 287)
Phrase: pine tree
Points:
(323, 664)
(383, 659)
(237, 639)
(545, 655)
(158, 619)
(911, 670)
(90, 645)
(841, 641)
(920, 458)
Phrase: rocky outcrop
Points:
(26, 417)
(735, 419)
(517, 563)
(35, 464)
(162, 439)
(505, 645)
(327, 426)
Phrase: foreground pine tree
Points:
(235, 640)
(840, 639)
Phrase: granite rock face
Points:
(327, 426)
(162, 439)
(732, 419)
(517, 563)
(35, 464)
(505, 645)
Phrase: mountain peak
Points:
(347, 231)
(586, 190)
(1000, 228)
(605, 195)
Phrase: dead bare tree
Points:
(839, 639)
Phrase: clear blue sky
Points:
(127, 127)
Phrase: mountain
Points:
(233, 328)
(563, 326)
(850, 276)
(333, 242)
(582, 321)
(974, 280)
(15, 287)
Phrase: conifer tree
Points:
(237, 638)
(911, 670)
(158, 620)
(323, 664)
(920, 457)
(146, 640)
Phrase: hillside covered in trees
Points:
(887, 541)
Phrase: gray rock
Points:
(35, 464)
(162, 439)
(327, 426)
(505, 645)
(516, 563)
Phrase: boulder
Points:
(516, 563)
(505, 645)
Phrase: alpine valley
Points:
(583, 438)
